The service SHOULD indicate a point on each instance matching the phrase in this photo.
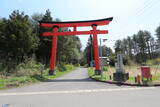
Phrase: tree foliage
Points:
(139, 47)
(88, 54)
(158, 32)
(17, 38)
(20, 38)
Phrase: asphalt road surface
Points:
(77, 90)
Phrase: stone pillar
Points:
(120, 75)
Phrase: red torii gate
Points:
(75, 24)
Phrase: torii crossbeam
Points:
(74, 25)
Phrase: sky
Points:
(129, 16)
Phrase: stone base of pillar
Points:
(120, 76)
(98, 72)
(52, 72)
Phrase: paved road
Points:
(77, 90)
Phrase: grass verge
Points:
(108, 76)
(11, 82)
(104, 77)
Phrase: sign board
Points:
(104, 61)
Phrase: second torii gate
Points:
(75, 24)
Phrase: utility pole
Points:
(100, 48)
(104, 40)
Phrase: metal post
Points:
(91, 54)
(96, 51)
(104, 40)
(53, 55)
(100, 48)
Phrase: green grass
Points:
(131, 79)
(16, 81)
(103, 77)
(106, 75)
(90, 71)
(153, 61)
(59, 73)
(11, 82)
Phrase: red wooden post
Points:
(74, 28)
(96, 50)
(53, 54)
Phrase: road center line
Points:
(73, 91)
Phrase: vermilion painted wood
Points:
(74, 33)
(100, 22)
(96, 49)
(75, 24)
(74, 28)
(54, 48)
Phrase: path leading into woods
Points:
(77, 90)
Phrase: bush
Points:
(69, 67)
(28, 68)
(105, 68)
(153, 61)
(112, 59)
(91, 71)
(7, 67)
(61, 67)
(77, 65)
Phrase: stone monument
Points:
(120, 75)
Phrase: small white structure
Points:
(104, 61)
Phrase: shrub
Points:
(69, 67)
(153, 61)
(77, 65)
(28, 68)
(105, 68)
(61, 67)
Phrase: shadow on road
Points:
(72, 80)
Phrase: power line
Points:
(138, 10)
(148, 6)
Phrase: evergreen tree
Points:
(88, 55)
(18, 37)
(44, 49)
(158, 40)
(158, 33)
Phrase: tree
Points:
(119, 47)
(158, 39)
(125, 46)
(147, 35)
(69, 49)
(44, 49)
(142, 45)
(153, 47)
(35, 18)
(130, 46)
(88, 51)
(158, 33)
(3, 27)
(19, 39)
(139, 47)
(106, 51)
(135, 44)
